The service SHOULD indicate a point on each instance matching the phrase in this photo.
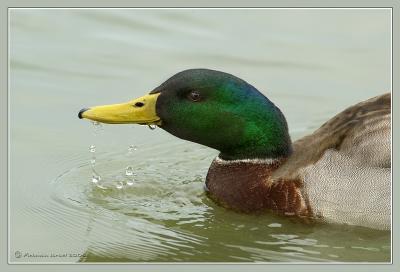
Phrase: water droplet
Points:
(92, 148)
(97, 124)
(132, 148)
(129, 171)
(93, 161)
(119, 185)
(130, 175)
(96, 179)
(152, 127)
(97, 127)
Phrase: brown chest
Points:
(246, 187)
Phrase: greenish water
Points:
(311, 63)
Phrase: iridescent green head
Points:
(211, 108)
(224, 112)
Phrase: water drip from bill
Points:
(97, 128)
(96, 178)
(130, 176)
(129, 173)
(132, 148)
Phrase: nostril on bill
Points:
(139, 104)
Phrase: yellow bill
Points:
(138, 111)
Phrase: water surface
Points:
(311, 63)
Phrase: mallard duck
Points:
(341, 173)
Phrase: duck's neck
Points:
(263, 134)
(245, 185)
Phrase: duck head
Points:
(211, 108)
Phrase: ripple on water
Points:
(142, 188)
(164, 215)
(141, 209)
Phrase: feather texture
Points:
(345, 165)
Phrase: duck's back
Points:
(345, 165)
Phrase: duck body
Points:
(341, 173)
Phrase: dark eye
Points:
(194, 96)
